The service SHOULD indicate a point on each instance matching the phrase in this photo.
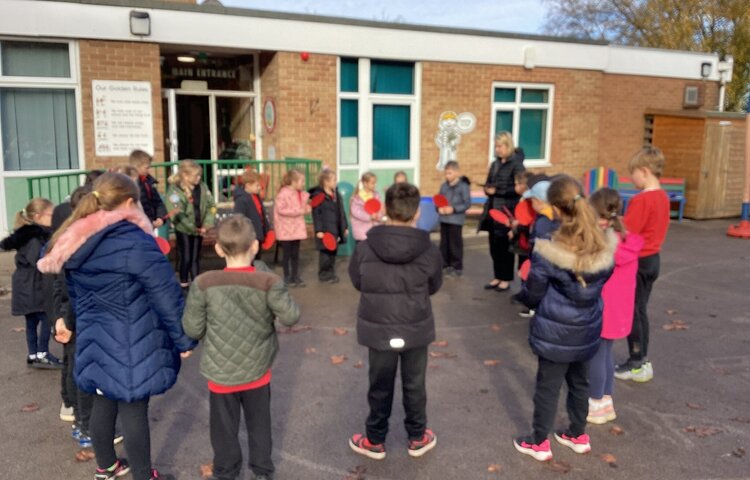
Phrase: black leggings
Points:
(291, 259)
(503, 260)
(134, 420)
(189, 250)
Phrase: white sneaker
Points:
(66, 414)
(643, 374)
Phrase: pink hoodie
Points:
(289, 214)
(619, 291)
(362, 221)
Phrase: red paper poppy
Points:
(329, 241)
(525, 214)
(163, 244)
(500, 217)
(440, 201)
(317, 200)
(523, 272)
(269, 241)
(373, 206)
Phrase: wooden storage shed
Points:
(707, 150)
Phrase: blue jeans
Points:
(602, 371)
(37, 343)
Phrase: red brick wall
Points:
(269, 88)
(132, 61)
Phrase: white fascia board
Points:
(177, 27)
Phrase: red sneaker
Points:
(537, 451)
(360, 444)
(417, 448)
(579, 444)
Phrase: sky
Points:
(521, 16)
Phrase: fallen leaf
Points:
(340, 331)
(338, 359)
(207, 470)
(496, 327)
(358, 364)
(356, 473)
(702, 431)
(610, 459)
(671, 312)
(494, 468)
(442, 355)
(440, 343)
(616, 430)
(492, 363)
(18, 329)
(720, 370)
(559, 467)
(712, 315)
(311, 350)
(30, 407)
(742, 419)
(432, 365)
(695, 406)
(675, 325)
(739, 452)
(85, 455)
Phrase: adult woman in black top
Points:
(500, 190)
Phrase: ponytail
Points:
(26, 215)
(607, 204)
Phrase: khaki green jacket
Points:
(233, 313)
(184, 221)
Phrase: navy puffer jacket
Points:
(128, 308)
(568, 320)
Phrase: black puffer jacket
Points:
(502, 177)
(396, 269)
(151, 200)
(245, 205)
(329, 216)
(32, 292)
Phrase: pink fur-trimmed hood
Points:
(83, 229)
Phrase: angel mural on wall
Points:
(450, 128)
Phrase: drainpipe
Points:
(742, 230)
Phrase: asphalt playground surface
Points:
(691, 422)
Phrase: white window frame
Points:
(366, 102)
(516, 107)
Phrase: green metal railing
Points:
(55, 187)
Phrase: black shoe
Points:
(458, 273)
(447, 270)
(290, 283)
(490, 286)
(299, 282)
(500, 289)
(333, 280)
(119, 469)
(47, 363)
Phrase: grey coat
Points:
(459, 197)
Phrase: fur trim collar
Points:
(83, 229)
(563, 258)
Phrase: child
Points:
(396, 269)
(30, 290)
(362, 221)
(648, 216)
(519, 234)
(564, 287)
(289, 210)
(196, 213)
(132, 173)
(456, 190)
(128, 307)
(400, 177)
(328, 217)
(150, 198)
(235, 311)
(64, 210)
(619, 297)
(247, 201)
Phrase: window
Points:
(38, 115)
(390, 132)
(391, 77)
(525, 111)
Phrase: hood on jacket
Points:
(563, 258)
(24, 235)
(395, 244)
(80, 231)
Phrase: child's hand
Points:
(448, 210)
(375, 217)
(158, 223)
(346, 233)
(186, 355)
(319, 235)
(510, 234)
(62, 334)
(490, 190)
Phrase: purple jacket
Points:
(619, 291)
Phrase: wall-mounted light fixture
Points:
(186, 59)
(140, 23)
(706, 70)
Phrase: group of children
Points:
(120, 312)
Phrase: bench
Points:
(478, 198)
(675, 188)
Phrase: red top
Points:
(259, 208)
(648, 216)
(261, 382)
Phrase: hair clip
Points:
(96, 194)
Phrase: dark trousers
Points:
(37, 342)
(549, 378)
(225, 426)
(327, 265)
(503, 261)
(81, 401)
(291, 259)
(189, 252)
(648, 272)
(383, 366)
(602, 371)
(452, 245)
(134, 420)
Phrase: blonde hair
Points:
(26, 215)
(650, 158)
(139, 157)
(291, 176)
(235, 234)
(507, 139)
(607, 204)
(184, 167)
(128, 170)
(366, 177)
(578, 232)
(109, 191)
(325, 174)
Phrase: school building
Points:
(82, 82)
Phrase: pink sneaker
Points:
(579, 444)
(540, 452)
(360, 444)
(417, 448)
